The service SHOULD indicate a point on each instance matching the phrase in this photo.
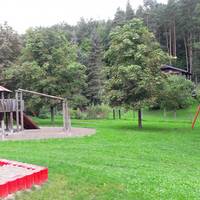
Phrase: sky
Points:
(22, 14)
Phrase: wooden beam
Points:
(11, 122)
(68, 121)
(195, 117)
(41, 94)
(3, 129)
(66, 117)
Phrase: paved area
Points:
(49, 132)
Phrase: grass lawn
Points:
(161, 161)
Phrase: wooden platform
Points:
(49, 132)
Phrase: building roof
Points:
(3, 89)
(169, 67)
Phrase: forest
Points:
(78, 61)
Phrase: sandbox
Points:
(48, 133)
(16, 176)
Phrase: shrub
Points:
(98, 112)
(44, 113)
(197, 93)
(78, 114)
(176, 93)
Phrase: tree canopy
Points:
(48, 64)
(134, 59)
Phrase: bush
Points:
(98, 112)
(78, 114)
(44, 113)
(92, 112)
(176, 93)
(197, 93)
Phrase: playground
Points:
(26, 129)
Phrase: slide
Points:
(28, 122)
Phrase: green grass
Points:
(161, 161)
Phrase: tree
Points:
(48, 64)
(129, 14)
(134, 59)
(94, 68)
(188, 28)
(119, 18)
(176, 93)
(10, 46)
(196, 93)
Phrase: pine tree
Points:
(129, 11)
(94, 71)
(119, 18)
(188, 28)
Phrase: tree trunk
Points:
(190, 53)
(174, 31)
(167, 41)
(164, 113)
(186, 54)
(196, 79)
(170, 44)
(147, 20)
(52, 115)
(139, 118)
(113, 113)
(119, 111)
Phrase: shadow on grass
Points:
(151, 127)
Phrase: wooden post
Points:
(7, 122)
(68, 121)
(196, 116)
(64, 113)
(21, 111)
(2, 122)
(66, 117)
(17, 110)
(11, 122)
(2, 95)
(3, 129)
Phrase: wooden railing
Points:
(8, 105)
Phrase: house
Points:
(174, 70)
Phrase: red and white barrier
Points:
(16, 176)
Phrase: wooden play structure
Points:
(196, 116)
(12, 109)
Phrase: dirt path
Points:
(49, 132)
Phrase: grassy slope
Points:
(120, 162)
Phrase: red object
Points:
(3, 190)
(15, 176)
